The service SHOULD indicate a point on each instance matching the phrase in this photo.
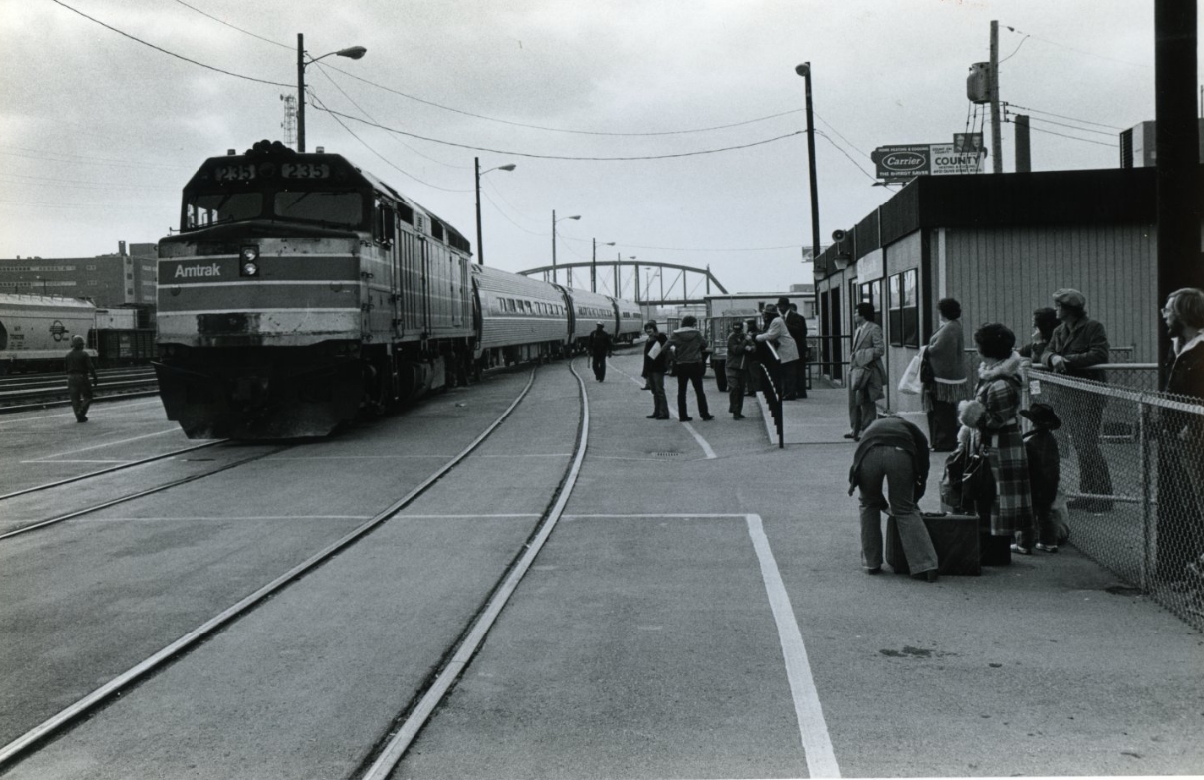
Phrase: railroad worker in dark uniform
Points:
(895, 451)
(797, 327)
(740, 348)
(1078, 343)
(656, 355)
(79, 367)
(600, 349)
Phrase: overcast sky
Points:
(101, 132)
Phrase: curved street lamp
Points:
(476, 164)
(804, 70)
(554, 221)
(355, 53)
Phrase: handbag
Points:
(909, 383)
(978, 484)
(966, 481)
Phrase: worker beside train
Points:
(79, 366)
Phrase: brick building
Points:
(126, 277)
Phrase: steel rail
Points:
(19, 747)
(140, 494)
(111, 469)
(474, 634)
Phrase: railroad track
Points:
(40, 391)
(409, 719)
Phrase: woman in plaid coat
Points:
(999, 393)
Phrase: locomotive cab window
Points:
(206, 210)
(344, 209)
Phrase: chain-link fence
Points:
(1133, 474)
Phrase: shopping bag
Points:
(910, 383)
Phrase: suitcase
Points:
(954, 536)
(996, 550)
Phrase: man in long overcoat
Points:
(867, 374)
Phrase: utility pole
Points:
(1180, 263)
(300, 92)
(996, 131)
(476, 170)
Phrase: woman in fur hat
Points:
(999, 393)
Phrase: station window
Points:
(904, 312)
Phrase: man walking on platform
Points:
(79, 367)
(796, 325)
(600, 349)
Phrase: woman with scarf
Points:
(998, 431)
(945, 382)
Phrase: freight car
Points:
(302, 291)
(36, 331)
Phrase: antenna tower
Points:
(289, 125)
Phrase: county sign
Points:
(903, 163)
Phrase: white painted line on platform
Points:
(710, 453)
(813, 729)
(113, 443)
(817, 744)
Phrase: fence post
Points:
(1143, 439)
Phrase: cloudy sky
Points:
(103, 125)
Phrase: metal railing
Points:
(1133, 471)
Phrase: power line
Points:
(1060, 116)
(319, 104)
(232, 27)
(365, 113)
(561, 157)
(1072, 137)
(494, 119)
(846, 154)
(1072, 127)
(1071, 48)
(1005, 59)
(834, 130)
(165, 51)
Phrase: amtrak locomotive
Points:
(302, 291)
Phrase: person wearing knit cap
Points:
(1078, 344)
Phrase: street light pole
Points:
(554, 221)
(804, 70)
(593, 269)
(355, 52)
(476, 165)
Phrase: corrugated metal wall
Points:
(1001, 275)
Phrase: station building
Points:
(126, 277)
(1000, 244)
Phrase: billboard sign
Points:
(904, 163)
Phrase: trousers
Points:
(691, 373)
(895, 467)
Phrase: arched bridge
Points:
(652, 284)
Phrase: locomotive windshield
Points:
(345, 209)
(315, 207)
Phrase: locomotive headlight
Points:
(248, 261)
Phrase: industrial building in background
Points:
(127, 277)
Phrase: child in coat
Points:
(1044, 475)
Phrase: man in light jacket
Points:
(867, 374)
(776, 333)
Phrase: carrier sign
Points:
(904, 163)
